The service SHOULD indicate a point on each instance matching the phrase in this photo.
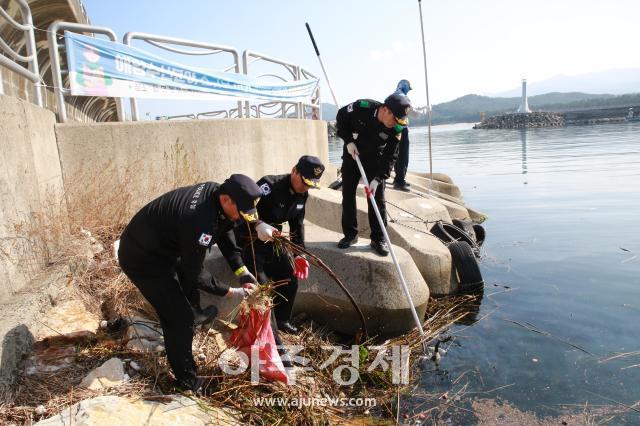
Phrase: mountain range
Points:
(613, 88)
(613, 81)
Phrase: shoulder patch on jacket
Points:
(364, 104)
(265, 189)
(350, 107)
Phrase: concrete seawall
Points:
(41, 160)
(150, 158)
(30, 177)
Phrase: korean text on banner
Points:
(104, 68)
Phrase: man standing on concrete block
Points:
(371, 130)
(162, 252)
(283, 200)
(402, 164)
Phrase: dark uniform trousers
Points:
(274, 266)
(350, 179)
(162, 289)
(402, 164)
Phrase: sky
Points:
(473, 46)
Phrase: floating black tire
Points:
(448, 233)
(466, 267)
(480, 233)
(466, 226)
(439, 231)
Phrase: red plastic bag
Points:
(254, 329)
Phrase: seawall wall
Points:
(30, 178)
(42, 160)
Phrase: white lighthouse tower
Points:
(524, 105)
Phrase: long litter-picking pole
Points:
(371, 198)
(426, 85)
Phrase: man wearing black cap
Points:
(283, 200)
(162, 252)
(370, 130)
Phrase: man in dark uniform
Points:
(283, 200)
(162, 252)
(370, 130)
(402, 164)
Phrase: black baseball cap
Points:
(311, 169)
(400, 105)
(245, 193)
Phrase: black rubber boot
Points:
(380, 247)
(347, 242)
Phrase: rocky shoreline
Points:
(521, 121)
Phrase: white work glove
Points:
(352, 149)
(242, 292)
(265, 231)
(373, 185)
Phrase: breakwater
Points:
(559, 118)
(520, 121)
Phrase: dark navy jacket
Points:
(279, 203)
(376, 143)
(181, 224)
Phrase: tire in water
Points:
(466, 267)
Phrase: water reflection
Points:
(523, 141)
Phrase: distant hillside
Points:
(469, 107)
(615, 81)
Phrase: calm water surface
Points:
(563, 233)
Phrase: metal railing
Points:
(161, 41)
(283, 109)
(31, 72)
(249, 57)
(314, 106)
(56, 72)
(226, 113)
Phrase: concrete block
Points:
(477, 216)
(426, 209)
(324, 208)
(442, 177)
(436, 185)
(430, 255)
(216, 265)
(456, 208)
(371, 279)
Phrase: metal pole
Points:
(405, 289)
(371, 198)
(426, 83)
(32, 51)
(324, 71)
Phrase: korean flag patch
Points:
(205, 240)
